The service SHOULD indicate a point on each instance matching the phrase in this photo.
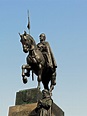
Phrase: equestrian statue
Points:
(40, 61)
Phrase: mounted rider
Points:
(44, 47)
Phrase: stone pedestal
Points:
(28, 96)
(26, 102)
(23, 110)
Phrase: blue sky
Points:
(65, 24)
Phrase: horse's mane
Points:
(32, 40)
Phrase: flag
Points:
(28, 26)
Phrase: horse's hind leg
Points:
(46, 85)
(53, 81)
(51, 88)
(40, 73)
(38, 85)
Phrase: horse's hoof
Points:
(23, 75)
(25, 80)
(38, 87)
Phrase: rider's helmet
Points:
(42, 37)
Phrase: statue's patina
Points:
(44, 106)
(40, 60)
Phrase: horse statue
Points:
(35, 63)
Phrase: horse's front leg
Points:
(24, 74)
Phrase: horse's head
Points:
(27, 41)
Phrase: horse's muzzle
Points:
(25, 48)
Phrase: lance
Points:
(28, 26)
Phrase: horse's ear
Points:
(20, 34)
(25, 33)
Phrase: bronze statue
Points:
(40, 60)
(44, 106)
